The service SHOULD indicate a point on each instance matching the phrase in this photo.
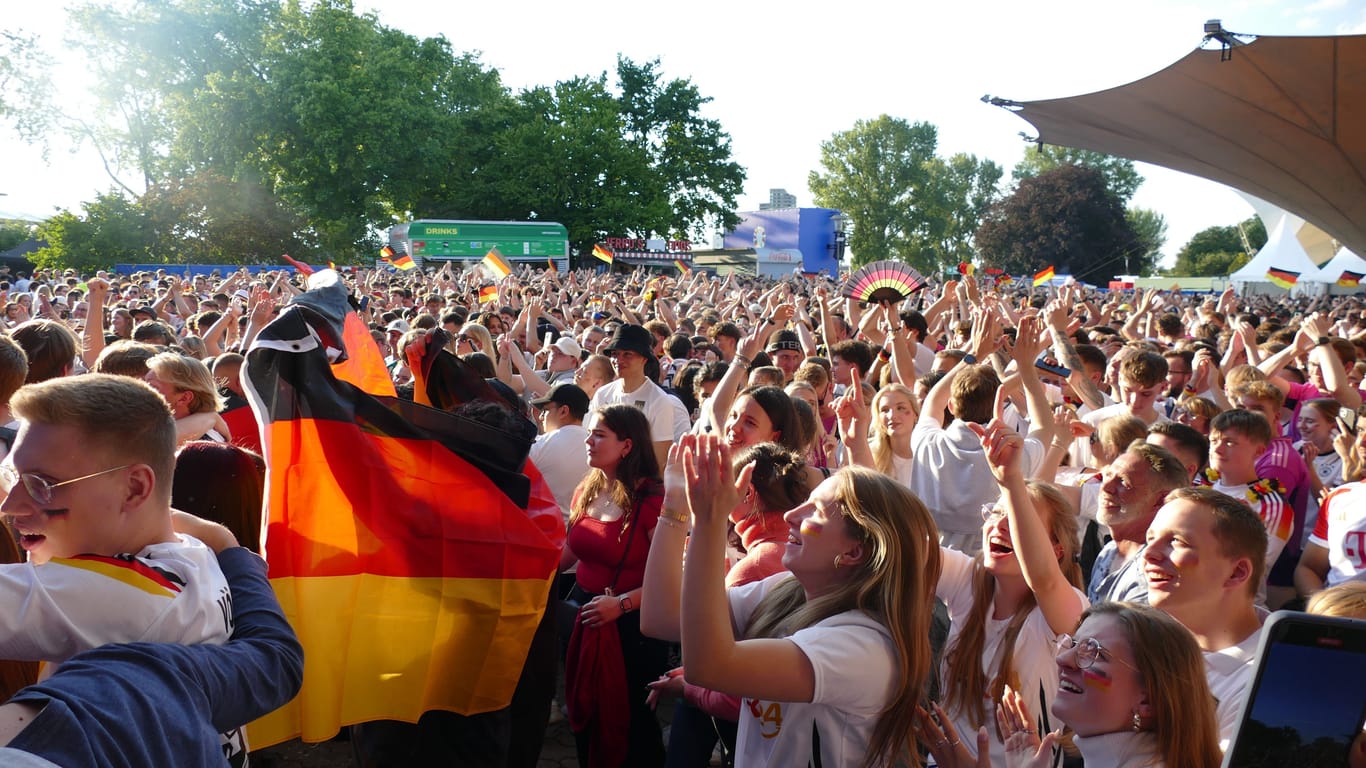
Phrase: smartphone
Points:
(1050, 365)
(1305, 705)
(364, 302)
(1349, 417)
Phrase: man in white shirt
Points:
(560, 454)
(565, 355)
(1142, 378)
(1205, 556)
(630, 348)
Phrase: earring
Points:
(837, 562)
(1138, 722)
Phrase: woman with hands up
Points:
(829, 657)
(1010, 602)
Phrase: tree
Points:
(1151, 229)
(904, 202)
(1219, 250)
(207, 219)
(1120, 175)
(114, 229)
(25, 85)
(13, 233)
(1065, 217)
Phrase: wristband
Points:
(884, 354)
(679, 517)
(1322, 340)
(970, 359)
(624, 603)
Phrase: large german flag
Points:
(398, 535)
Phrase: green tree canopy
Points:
(114, 229)
(1151, 229)
(903, 200)
(1219, 250)
(1120, 175)
(346, 126)
(1067, 218)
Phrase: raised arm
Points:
(662, 596)
(1034, 548)
(92, 337)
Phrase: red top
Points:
(600, 546)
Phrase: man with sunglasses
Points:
(88, 497)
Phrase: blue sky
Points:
(783, 78)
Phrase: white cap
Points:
(568, 346)
(399, 325)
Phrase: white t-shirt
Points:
(1229, 671)
(854, 662)
(1034, 658)
(668, 418)
(562, 458)
(951, 475)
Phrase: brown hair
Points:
(1249, 424)
(13, 368)
(49, 346)
(1237, 528)
(1171, 669)
(1144, 369)
(638, 470)
(972, 397)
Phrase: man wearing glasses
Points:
(89, 499)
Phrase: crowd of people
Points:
(986, 524)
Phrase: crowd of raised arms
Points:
(987, 524)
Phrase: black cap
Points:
(784, 339)
(565, 394)
(144, 309)
(631, 338)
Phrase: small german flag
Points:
(488, 293)
(494, 263)
(682, 268)
(1283, 277)
(1043, 277)
(603, 254)
(386, 254)
(966, 268)
(551, 265)
(1350, 279)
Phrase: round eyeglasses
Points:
(1087, 651)
(38, 487)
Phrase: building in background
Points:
(778, 198)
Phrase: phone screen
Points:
(1349, 417)
(1306, 705)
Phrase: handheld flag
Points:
(966, 268)
(409, 546)
(1043, 277)
(386, 254)
(682, 268)
(1350, 279)
(495, 264)
(303, 268)
(1283, 277)
(488, 293)
(401, 260)
(553, 269)
(603, 254)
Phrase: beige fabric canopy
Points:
(1283, 118)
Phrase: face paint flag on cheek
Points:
(1094, 679)
(812, 528)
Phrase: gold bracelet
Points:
(673, 522)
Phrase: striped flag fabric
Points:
(302, 268)
(386, 254)
(496, 264)
(1044, 276)
(406, 543)
(603, 254)
(488, 293)
(1285, 278)
(1349, 279)
(551, 266)
(682, 267)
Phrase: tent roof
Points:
(1282, 119)
(1343, 261)
(1282, 251)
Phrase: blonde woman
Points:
(189, 388)
(830, 656)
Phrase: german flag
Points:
(966, 268)
(603, 254)
(1043, 277)
(488, 293)
(386, 254)
(410, 547)
(1283, 277)
(1349, 279)
(683, 268)
(550, 264)
(301, 267)
(496, 265)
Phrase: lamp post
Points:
(836, 246)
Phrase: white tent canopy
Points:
(1345, 260)
(1282, 251)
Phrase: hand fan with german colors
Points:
(881, 281)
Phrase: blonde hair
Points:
(881, 442)
(121, 415)
(1346, 600)
(188, 375)
(894, 584)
